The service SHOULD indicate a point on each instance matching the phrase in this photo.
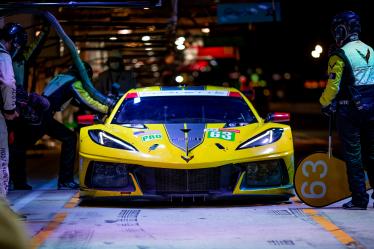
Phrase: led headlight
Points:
(264, 138)
(105, 139)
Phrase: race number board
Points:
(321, 181)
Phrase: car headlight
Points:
(264, 138)
(105, 139)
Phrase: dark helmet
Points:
(345, 27)
(16, 33)
(73, 68)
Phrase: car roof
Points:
(183, 88)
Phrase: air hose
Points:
(87, 84)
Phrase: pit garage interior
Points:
(166, 43)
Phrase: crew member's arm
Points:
(8, 87)
(85, 98)
(335, 72)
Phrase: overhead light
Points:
(156, 74)
(151, 28)
(146, 8)
(147, 43)
(318, 48)
(154, 68)
(113, 38)
(205, 30)
(180, 40)
(181, 47)
(179, 79)
(146, 38)
(124, 31)
(315, 54)
(148, 49)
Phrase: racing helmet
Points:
(15, 33)
(345, 27)
(73, 68)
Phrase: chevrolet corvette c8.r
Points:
(165, 142)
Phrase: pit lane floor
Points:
(57, 219)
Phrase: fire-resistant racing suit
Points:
(8, 106)
(351, 87)
(60, 91)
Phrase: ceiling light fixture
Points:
(124, 31)
(181, 47)
(146, 38)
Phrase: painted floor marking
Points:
(57, 220)
(339, 234)
(26, 199)
(73, 202)
(45, 232)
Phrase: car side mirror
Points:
(89, 119)
(277, 117)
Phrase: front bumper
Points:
(227, 181)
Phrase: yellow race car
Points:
(178, 142)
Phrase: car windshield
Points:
(184, 109)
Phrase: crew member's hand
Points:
(11, 116)
(327, 110)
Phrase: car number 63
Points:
(309, 190)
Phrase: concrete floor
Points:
(57, 219)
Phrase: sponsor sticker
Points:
(151, 137)
(225, 135)
(142, 133)
(222, 129)
(137, 133)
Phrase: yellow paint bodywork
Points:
(206, 155)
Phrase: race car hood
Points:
(185, 143)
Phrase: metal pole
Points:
(330, 135)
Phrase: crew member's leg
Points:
(348, 123)
(68, 149)
(4, 158)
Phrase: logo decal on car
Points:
(151, 137)
(225, 135)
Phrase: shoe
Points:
(68, 185)
(351, 206)
(22, 186)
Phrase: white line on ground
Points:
(26, 199)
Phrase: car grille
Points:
(160, 181)
(187, 180)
